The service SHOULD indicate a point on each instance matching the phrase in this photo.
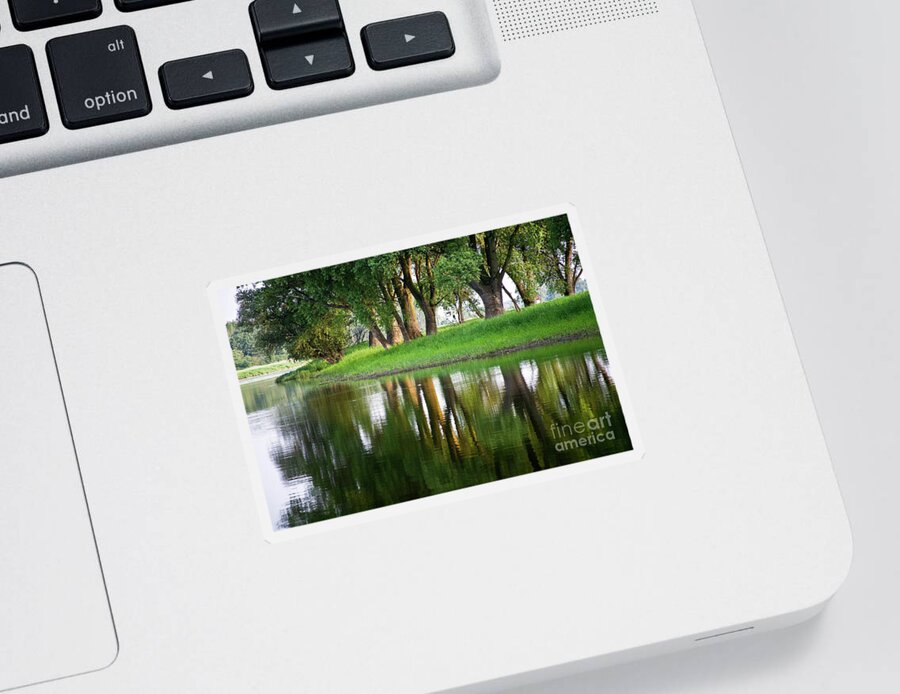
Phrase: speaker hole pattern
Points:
(522, 19)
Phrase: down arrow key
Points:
(289, 65)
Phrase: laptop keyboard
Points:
(99, 77)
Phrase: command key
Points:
(22, 111)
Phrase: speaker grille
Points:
(521, 19)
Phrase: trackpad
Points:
(55, 619)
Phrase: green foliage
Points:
(560, 262)
(241, 360)
(325, 339)
(246, 349)
(455, 268)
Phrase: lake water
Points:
(327, 450)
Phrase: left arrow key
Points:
(206, 79)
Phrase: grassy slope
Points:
(554, 320)
(252, 371)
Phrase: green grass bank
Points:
(563, 319)
(274, 367)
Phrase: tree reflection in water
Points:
(346, 447)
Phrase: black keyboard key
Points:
(206, 79)
(132, 5)
(297, 64)
(37, 14)
(22, 112)
(99, 77)
(284, 19)
(407, 41)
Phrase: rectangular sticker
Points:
(469, 358)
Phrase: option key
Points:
(99, 77)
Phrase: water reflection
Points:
(336, 449)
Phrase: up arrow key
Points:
(287, 21)
(408, 37)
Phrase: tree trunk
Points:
(407, 310)
(428, 309)
(431, 326)
(396, 335)
(491, 296)
(398, 321)
(570, 271)
(529, 298)
(489, 285)
(512, 298)
(410, 319)
(493, 304)
(376, 336)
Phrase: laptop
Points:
(405, 346)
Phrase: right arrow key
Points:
(408, 40)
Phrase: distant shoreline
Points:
(266, 377)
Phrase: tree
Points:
(525, 268)
(324, 339)
(362, 289)
(241, 360)
(417, 271)
(383, 273)
(309, 313)
(318, 312)
(408, 317)
(246, 348)
(562, 264)
(496, 249)
(436, 274)
(457, 267)
(282, 314)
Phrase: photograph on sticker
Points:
(424, 370)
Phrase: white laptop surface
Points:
(470, 365)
